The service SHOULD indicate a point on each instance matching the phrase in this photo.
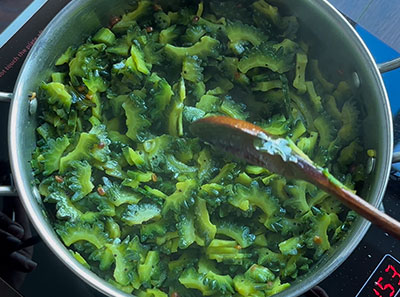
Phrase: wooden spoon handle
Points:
(353, 201)
(237, 137)
(372, 214)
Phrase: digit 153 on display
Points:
(384, 280)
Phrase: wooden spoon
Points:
(279, 155)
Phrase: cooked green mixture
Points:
(153, 210)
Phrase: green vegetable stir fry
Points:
(151, 209)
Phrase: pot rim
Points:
(54, 243)
(332, 265)
(37, 218)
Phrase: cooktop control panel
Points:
(384, 280)
(372, 270)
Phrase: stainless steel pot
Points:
(336, 40)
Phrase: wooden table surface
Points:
(379, 17)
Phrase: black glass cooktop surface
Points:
(373, 269)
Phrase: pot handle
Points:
(396, 157)
(5, 97)
(7, 191)
(389, 66)
(383, 68)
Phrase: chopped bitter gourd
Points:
(52, 155)
(239, 34)
(79, 180)
(299, 81)
(265, 56)
(136, 214)
(71, 233)
(192, 70)
(271, 12)
(82, 150)
(151, 209)
(135, 121)
(167, 36)
(204, 227)
(227, 251)
(104, 35)
(182, 198)
(57, 94)
(206, 47)
(239, 233)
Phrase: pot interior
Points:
(334, 40)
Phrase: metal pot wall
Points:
(338, 44)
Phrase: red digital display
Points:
(384, 281)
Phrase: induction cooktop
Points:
(373, 269)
